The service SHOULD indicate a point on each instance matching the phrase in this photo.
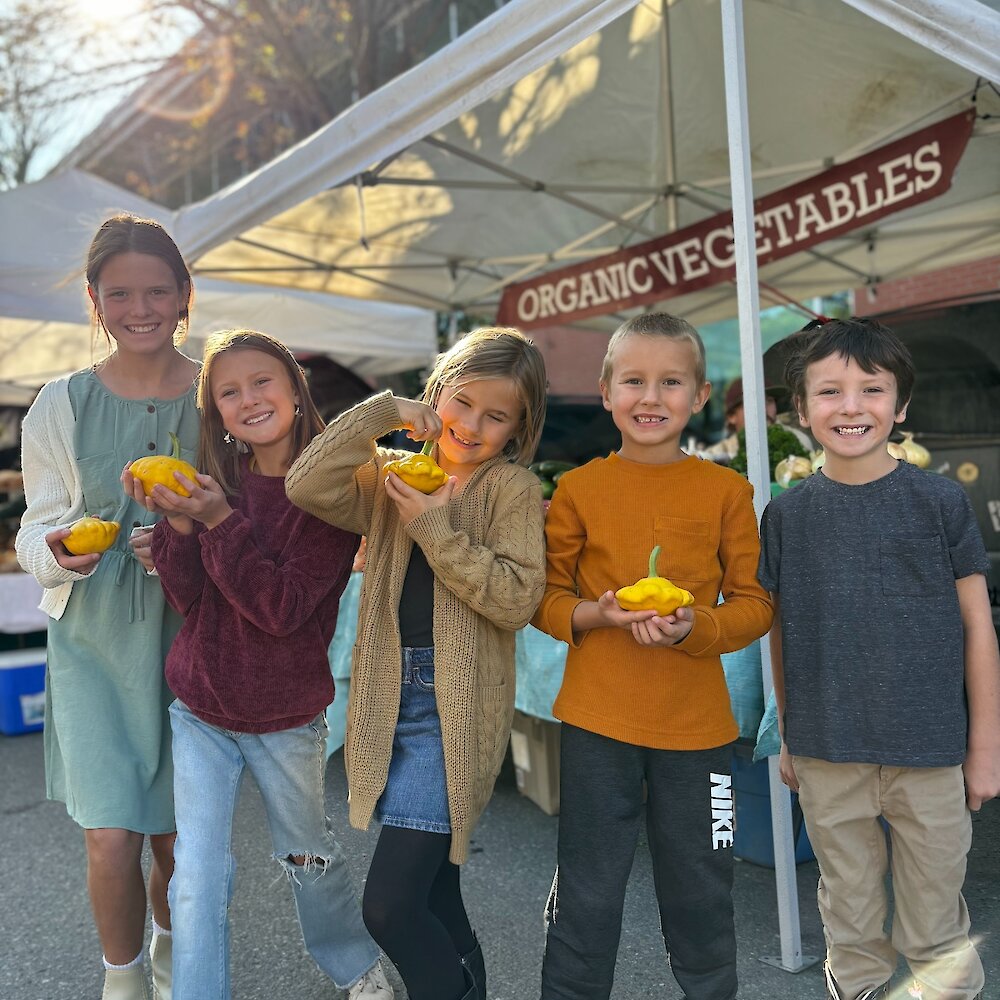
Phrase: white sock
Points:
(159, 931)
(137, 961)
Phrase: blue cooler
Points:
(22, 691)
(752, 840)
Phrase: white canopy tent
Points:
(535, 141)
(44, 327)
(557, 130)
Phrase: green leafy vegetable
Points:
(781, 443)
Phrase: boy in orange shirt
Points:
(644, 697)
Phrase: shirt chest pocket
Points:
(687, 554)
(913, 567)
(103, 493)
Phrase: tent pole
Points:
(751, 355)
(666, 93)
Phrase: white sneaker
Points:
(372, 984)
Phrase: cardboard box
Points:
(534, 745)
(22, 691)
(752, 839)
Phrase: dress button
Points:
(152, 446)
(151, 408)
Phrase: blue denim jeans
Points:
(289, 767)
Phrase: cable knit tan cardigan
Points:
(487, 551)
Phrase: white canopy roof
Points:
(44, 326)
(557, 130)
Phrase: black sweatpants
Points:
(689, 822)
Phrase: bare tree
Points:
(230, 82)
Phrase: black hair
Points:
(866, 342)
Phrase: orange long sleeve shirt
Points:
(602, 524)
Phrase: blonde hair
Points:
(219, 459)
(498, 352)
(657, 325)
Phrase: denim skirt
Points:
(416, 795)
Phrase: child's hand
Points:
(412, 503)
(65, 558)
(786, 769)
(982, 777)
(141, 541)
(134, 489)
(207, 503)
(421, 422)
(614, 615)
(667, 630)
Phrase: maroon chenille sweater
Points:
(259, 594)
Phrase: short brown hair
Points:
(864, 341)
(221, 460)
(657, 325)
(498, 352)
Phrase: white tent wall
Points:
(534, 140)
(44, 317)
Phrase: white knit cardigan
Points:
(53, 491)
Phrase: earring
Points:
(181, 331)
(298, 410)
(227, 437)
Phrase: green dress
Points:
(107, 733)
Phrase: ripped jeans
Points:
(289, 767)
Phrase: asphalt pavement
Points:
(49, 949)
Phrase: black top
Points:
(416, 602)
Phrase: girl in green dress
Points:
(107, 735)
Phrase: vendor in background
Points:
(726, 449)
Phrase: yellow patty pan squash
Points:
(654, 593)
(91, 534)
(419, 471)
(160, 469)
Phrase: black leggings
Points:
(413, 908)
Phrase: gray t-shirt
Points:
(872, 637)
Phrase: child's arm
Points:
(49, 506)
(785, 765)
(177, 558)
(337, 475)
(278, 597)
(747, 613)
(503, 579)
(982, 687)
(563, 614)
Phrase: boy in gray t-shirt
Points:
(886, 671)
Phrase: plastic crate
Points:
(753, 840)
(22, 691)
(534, 745)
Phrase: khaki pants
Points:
(930, 835)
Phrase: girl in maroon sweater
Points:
(258, 582)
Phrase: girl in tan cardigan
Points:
(432, 690)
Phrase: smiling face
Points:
(651, 392)
(256, 401)
(851, 413)
(139, 302)
(478, 418)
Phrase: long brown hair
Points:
(219, 458)
(127, 233)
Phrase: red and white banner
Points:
(899, 175)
